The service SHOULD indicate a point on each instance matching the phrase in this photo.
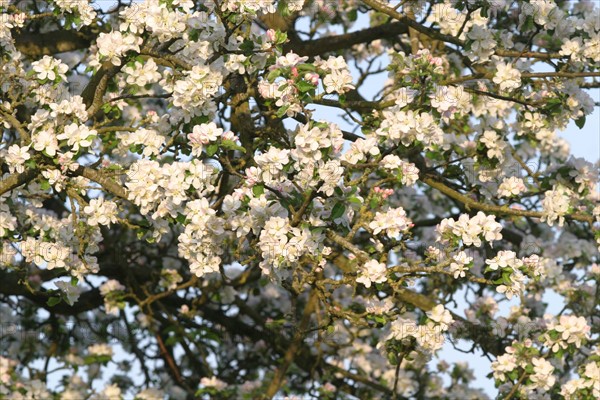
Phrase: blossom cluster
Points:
(428, 336)
(471, 231)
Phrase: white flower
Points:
(291, 59)
(101, 212)
(542, 377)
(338, 81)
(54, 254)
(483, 44)
(50, 68)
(360, 148)
(494, 143)
(504, 259)
(110, 392)
(213, 382)
(556, 205)
(408, 171)
(150, 394)
(515, 286)
(202, 135)
(408, 126)
(507, 77)
(504, 363)
(100, 349)
(459, 266)
(572, 48)
(450, 99)
(72, 292)
(404, 96)
(512, 186)
(392, 222)
(77, 136)
(371, 272)
(573, 329)
(16, 156)
(379, 307)
(7, 223)
(441, 316)
(82, 8)
(235, 63)
(114, 45)
(470, 230)
(569, 389)
(448, 18)
(45, 141)
(271, 163)
(591, 374)
(142, 74)
(151, 140)
(331, 174)
(112, 285)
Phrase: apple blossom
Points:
(244, 199)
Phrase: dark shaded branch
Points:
(36, 44)
(15, 180)
(107, 183)
(323, 45)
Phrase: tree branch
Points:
(328, 44)
(35, 44)
(498, 210)
(15, 180)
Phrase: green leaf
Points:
(247, 46)
(212, 149)
(136, 148)
(338, 210)
(280, 37)
(353, 14)
(374, 203)
(231, 145)
(304, 86)
(529, 24)
(354, 200)
(306, 68)
(180, 218)
(580, 122)
(273, 74)
(485, 10)
(171, 340)
(52, 301)
(453, 171)
(281, 112)
(258, 190)
(202, 119)
(31, 163)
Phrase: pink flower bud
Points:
(229, 136)
(312, 78)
